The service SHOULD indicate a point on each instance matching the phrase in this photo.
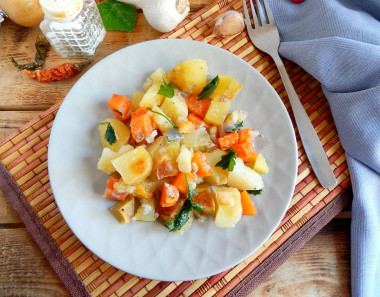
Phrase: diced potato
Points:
(184, 159)
(175, 108)
(134, 166)
(236, 116)
(228, 206)
(142, 191)
(189, 76)
(146, 211)
(259, 165)
(136, 99)
(108, 155)
(217, 112)
(205, 198)
(187, 224)
(162, 123)
(164, 155)
(151, 98)
(118, 130)
(121, 187)
(158, 76)
(124, 210)
(220, 175)
(244, 178)
(198, 140)
(147, 84)
(227, 87)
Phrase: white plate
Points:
(148, 249)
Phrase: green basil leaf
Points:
(117, 15)
(209, 89)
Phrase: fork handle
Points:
(309, 137)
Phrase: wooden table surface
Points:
(320, 268)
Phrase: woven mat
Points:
(24, 155)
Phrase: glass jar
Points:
(74, 28)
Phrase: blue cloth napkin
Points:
(338, 42)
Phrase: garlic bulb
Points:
(229, 23)
(162, 15)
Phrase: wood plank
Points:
(24, 270)
(320, 268)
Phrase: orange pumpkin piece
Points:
(110, 191)
(142, 124)
(198, 122)
(246, 204)
(228, 140)
(245, 151)
(245, 135)
(180, 182)
(203, 166)
(169, 195)
(121, 106)
(197, 107)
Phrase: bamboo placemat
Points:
(26, 184)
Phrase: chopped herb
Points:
(166, 90)
(110, 135)
(42, 47)
(255, 192)
(237, 127)
(209, 89)
(169, 120)
(181, 219)
(228, 160)
(117, 15)
(118, 111)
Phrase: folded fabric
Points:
(338, 42)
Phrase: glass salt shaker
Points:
(74, 28)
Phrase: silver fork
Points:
(265, 37)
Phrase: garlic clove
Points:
(229, 23)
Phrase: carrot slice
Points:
(110, 191)
(169, 195)
(120, 106)
(142, 124)
(246, 204)
(204, 167)
(245, 135)
(228, 140)
(198, 122)
(180, 182)
(245, 151)
(198, 107)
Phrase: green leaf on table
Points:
(117, 15)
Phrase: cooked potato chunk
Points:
(220, 175)
(189, 76)
(108, 155)
(184, 159)
(136, 99)
(228, 206)
(162, 123)
(134, 166)
(113, 134)
(146, 211)
(151, 98)
(175, 108)
(244, 178)
(197, 140)
(217, 112)
(164, 155)
(205, 198)
(259, 165)
(124, 210)
(227, 87)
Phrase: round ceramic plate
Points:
(148, 249)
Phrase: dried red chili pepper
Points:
(58, 73)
